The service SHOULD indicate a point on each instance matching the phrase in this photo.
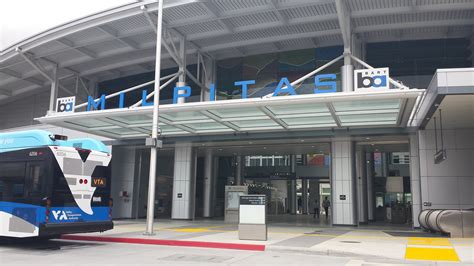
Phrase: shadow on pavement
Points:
(35, 244)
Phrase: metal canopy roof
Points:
(390, 108)
(120, 41)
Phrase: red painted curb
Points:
(180, 243)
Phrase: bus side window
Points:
(12, 181)
(35, 182)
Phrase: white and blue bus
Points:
(51, 186)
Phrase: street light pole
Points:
(154, 133)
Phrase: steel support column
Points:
(154, 150)
(304, 194)
(238, 170)
(361, 165)
(182, 67)
(293, 197)
(208, 182)
(54, 90)
(370, 187)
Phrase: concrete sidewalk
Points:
(337, 241)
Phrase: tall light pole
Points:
(150, 215)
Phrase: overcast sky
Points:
(25, 18)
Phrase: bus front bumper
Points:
(74, 228)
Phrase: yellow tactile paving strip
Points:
(432, 249)
(191, 230)
(429, 241)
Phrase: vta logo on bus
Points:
(98, 182)
(59, 215)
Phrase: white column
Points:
(292, 198)
(342, 182)
(415, 180)
(215, 173)
(123, 172)
(184, 181)
(370, 187)
(361, 186)
(54, 90)
(208, 183)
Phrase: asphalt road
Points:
(62, 252)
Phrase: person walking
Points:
(316, 209)
(326, 205)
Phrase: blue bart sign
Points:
(324, 83)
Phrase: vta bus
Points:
(50, 185)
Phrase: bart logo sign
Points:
(66, 104)
(366, 79)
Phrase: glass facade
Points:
(415, 62)
(268, 69)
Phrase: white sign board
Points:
(371, 79)
(252, 209)
(66, 104)
(394, 184)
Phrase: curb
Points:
(324, 252)
(163, 242)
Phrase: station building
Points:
(367, 103)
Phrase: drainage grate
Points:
(352, 242)
(197, 258)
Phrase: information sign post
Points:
(253, 217)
